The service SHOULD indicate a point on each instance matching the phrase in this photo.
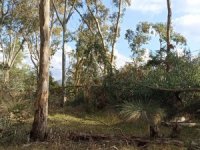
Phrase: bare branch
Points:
(61, 23)
(84, 20)
(16, 54)
(116, 31)
(97, 24)
(175, 90)
(70, 12)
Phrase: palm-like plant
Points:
(149, 111)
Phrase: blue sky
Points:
(185, 19)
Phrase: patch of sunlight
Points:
(108, 119)
(67, 119)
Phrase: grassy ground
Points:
(62, 122)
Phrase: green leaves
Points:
(140, 38)
(137, 39)
(183, 74)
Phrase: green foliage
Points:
(22, 80)
(54, 86)
(183, 74)
(144, 32)
(22, 84)
(137, 39)
(77, 99)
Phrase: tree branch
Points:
(84, 20)
(16, 54)
(116, 31)
(61, 23)
(97, 24)
(70, 12)
(175, 90)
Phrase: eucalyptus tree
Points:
(89, 61)
(4, 11)
(105, 25)
(140, 38)
(65, 10)
(137, 39)
(91, 54)
(94, 16)
(33, 47)
(39, 127)
(33, 37)
(11, 38)
(120, 4)
(169, 46)
(29, 18)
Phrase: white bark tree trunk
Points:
(39, 127)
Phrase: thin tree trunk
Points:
(116, 32)
(6, 75)
(39, 127)
(64, 98)
(63, 23)
(176, 131)
(154, 131)
(168, 33)
(154, 122)
(107, 63)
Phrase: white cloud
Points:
(158, 6)
(56, 63)
(187, 6)
(188, 25)
(185, 14)
(1, 57)
(121, 60)
(188, 20)
(146, 6)
(145, 56)
(180, 52)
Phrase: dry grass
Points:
(61, 123)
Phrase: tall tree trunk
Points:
(154, 122)
(63, 23)
(116, 32)
(64, 98)
(169, 10)
(6, 75)
(154, 131)
(39, 127)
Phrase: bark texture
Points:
(154, 131)
(6, 75)
(116, 32)
(63, 22)
(169, 46)
(39, 127)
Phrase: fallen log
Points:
(184, 124)
(130, 140)
(87, 137)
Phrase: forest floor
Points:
(73, 129)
